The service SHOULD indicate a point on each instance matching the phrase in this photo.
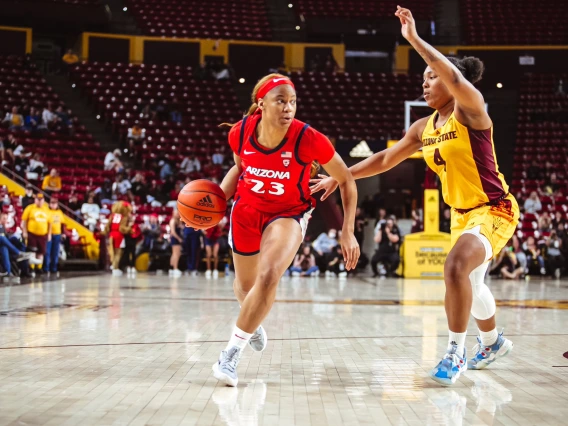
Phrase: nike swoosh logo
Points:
(276, 80)
(249, 152)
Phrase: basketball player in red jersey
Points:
(274, 154)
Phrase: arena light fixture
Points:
(290, 5)
(297, 27)
(499, 85)
(98, 117)
(241, 80)
(124, 8)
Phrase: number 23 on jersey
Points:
(276, 188)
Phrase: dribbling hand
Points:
(408, 28)
(326, 183)
(350, 249)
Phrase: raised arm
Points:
(379, 162)
(469, 103)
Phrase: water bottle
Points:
(227, 270)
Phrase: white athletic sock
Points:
(488, 337)
(459, 340)
(239, 338)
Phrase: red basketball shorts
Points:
(248, 224)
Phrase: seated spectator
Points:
(534, 172)
(190, 164)
(90, 212)
(33, 120)
(52, 182)
(121, 187)
(323, 245)
(388, 245)
(532, 204)
(139, 187)
(304, 263)
(535, 260)
(74, 205)
(64, 116)
(14, 119)
(557, 220)
(510, 267)
(155, 196)
(36, 167)
(11, 249)
(134, 137)
(519, 253)
(218, 158)
(166, 170)
(49, 118)
(335, 264)
(554, 257)
(552, 185)
(112, 161)
(544, 223)
(28, 197)
(104, 192)
(175, 113)
(7, 147)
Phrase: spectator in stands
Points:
(7, 147)
(36, 166)
(14, 119)
(174, 193)
(49, 118)
(121, 187)
(175, 113)
(21, 161)
(36, 226)
(532, 204)
(28, 197)
(74, 205)
(519, 253)
(555, 258)
(190, 164)
(323, 245)
(557, 220)
(335, 265)
(217, 158)
(535, 260)
(90, 212)
(112, 161)
(204, 72)
(51, 183)
(388, 244)
(446, 222)
(104, 192)
(57, 220)
(176, 240)
(544, 223)
(139, 187)
(11, 249)
(166, 170)
(304, 263)
(64, 118)
(552, 186)
(510, 266)
(155, 195)
(134, 137)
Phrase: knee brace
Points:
(483, 306)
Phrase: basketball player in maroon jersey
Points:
(274, 155)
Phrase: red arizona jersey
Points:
(115, 219)
(277, 180)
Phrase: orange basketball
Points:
(201, 204)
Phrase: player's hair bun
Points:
(471, 67)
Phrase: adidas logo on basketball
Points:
(206, 202)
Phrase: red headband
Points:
(271, 84)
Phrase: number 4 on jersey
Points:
(438, 160)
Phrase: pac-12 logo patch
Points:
(286, 163)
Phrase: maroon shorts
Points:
(38, 242)
(248, 224)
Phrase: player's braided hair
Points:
(471, 67)
(252, 109)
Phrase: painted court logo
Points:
(206, 202)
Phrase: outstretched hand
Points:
(326, 183)
(350, 249)
(408, 28)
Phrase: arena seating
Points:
(243, 20)
(361, 9)
(541, 137)
(119, 92)
(22, 85)
(353, 106)
(515, 22)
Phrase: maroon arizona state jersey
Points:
(277, 180)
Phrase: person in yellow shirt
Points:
(52, 182)
(36, 226)
(457, 143)
(14, 119)
(57, 219)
